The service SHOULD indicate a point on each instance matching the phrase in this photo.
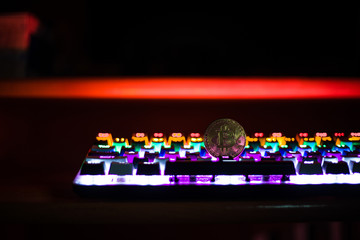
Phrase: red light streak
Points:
(184, 88)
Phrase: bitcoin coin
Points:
(225, 137)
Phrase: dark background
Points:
(89, 38)
(44, 141)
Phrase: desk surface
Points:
(44, 142)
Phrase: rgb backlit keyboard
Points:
(181, 161)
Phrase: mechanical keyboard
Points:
(179, 165)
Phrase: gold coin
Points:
(225, 137)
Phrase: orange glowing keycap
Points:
(140, 135)
(176, 135)
(319, 134)
(105, 136)
(277, 134)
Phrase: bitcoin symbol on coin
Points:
(225, 137)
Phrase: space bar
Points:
(230, 168)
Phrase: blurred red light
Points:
(183, 88)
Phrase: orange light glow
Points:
(105, 137)
(140, 135)
(176, 137)
(184, 88)
(277, 134)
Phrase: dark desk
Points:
(43, 143)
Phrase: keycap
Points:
(329, 159)
(247, 158)
(107, 158)
(172, 155)
(123, 150)
(254, 155)
(295, 154)
(193, 156)
(354, 166)
(352, 154)
(303, 149)
(314, 154)
(131, 155)
(273, 143)
(336, 168)
(176, 141)
(342, 149)
(183, 151)
(99, 154)
(137, 145)
(147, 149)
(138, 160)
(189, 168)
(105, 136)
(334, 154)
(148, 169)
(264, 159)
(102, 148)
(324, 149)
(265, 168)
(292, 143)
(265, 149)
(204, 159)
(276, 155)
(309, 166)
(328, 143)
(139, 140)
(291, 159)
(162, 162)
(310, 143)
(92, 169)
(151, 156)
(254, 145)
(248, 148)
(164, 151)
(203, 152)
(285, 149)
(183, 159)
(121, 168)
(227, 159)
